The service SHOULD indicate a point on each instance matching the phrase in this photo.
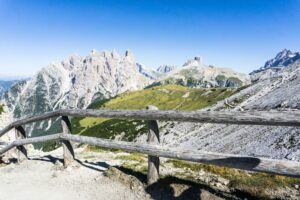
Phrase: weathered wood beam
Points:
(3, 143)
(21, 150)
(69, 155)
(29, 141)
(29, 119)
(270, 118)
(153, 161)
(278, 167)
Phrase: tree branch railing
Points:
(153, 149)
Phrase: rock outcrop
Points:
(275, 93)
(5, 85)
(75, 83)
(195, 74)
(274, 66)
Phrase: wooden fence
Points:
(153, 148)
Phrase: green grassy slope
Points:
(1, 109)
(165, 97)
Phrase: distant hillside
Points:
(6, 85)
(73, 83)
(195, 74)
(279, 92)
(274, 66)
(165, 97)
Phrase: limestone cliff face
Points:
(196, 74)
(5, 85)
(280, 92)
(75, 83)
(274, 66)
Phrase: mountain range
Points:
(198, 75)
(276, 64)
(278, 90)
(79, 82)
(5, 85)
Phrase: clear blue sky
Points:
(238, 34)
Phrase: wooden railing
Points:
(153, 149)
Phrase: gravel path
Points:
(36, 180)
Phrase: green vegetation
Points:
(112, 128)
(234, 81)
(165, 97)
(102, 149)
(221, 77)
(1, 109)
(153, 85)
(49, 146)
(255, 184)
(133, 157)
(229, 82)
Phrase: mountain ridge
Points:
(194, 73)
(5, 85)
(274, 65)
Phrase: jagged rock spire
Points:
(129, 56)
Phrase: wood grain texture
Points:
(279, 167)
(274, 118)
(30, 119)
(271, 166)
(29, 141)
(271, 118)
(69, 156)
(153, 161)
(21, 150)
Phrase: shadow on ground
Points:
(173, 188)
(167, 188)
(98, 166)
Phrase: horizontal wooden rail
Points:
(34, 140)
(270, 118)
(279, 167)
(153, 149)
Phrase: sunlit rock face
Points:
(274, 66)
(5, 85)
(275, 93)
(74, 83)
(194, 73)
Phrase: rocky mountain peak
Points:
(115, 54)
(196, 61)
(129, 56)
(273, 66)
(71, 62)
(164, 69)
(75, 82)
(284, 53)
(94, 51)
(282, 59)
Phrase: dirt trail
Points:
(43, 177)
(46, 179)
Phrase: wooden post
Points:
(21, 150)
(153, 161)
(69, 155)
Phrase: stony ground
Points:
(278, 93)
(47, 179)
(44, 177)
